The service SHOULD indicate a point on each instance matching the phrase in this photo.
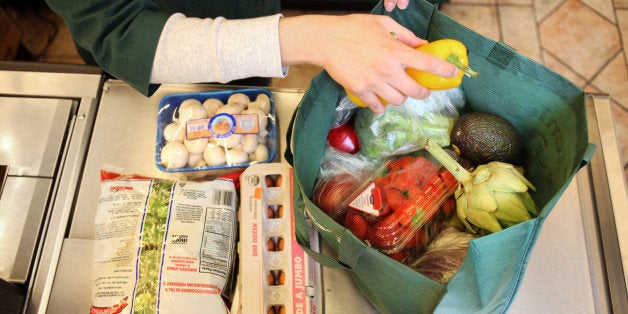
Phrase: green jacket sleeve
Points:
(122, 35)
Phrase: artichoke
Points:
(492, 197)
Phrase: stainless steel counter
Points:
(48, 111)
(569, 270)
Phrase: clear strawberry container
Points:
(388, 211)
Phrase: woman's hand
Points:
(360, 53)
(389, 5)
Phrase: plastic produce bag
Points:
(444, 255)
(163, 246)
(405, 128)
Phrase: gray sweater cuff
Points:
(194, 50)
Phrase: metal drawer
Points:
(21, 212)
(32, 134)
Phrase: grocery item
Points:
(276, 275)
(444, 255)
(492, 197)
(449, 50)
(397, 201)
(215, 130)
(163, 246)
(485, 137)
(344, 138)
(404, 129)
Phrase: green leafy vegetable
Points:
(150, 255)
(395, 132)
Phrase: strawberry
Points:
(355, 222)
(418, 239)
(423, 169)
(448, 179)
(394, 198)
(406, 215)
(448, 206)
(386, 233)
(400, 163)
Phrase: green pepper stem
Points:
(458, 171)
(455, 60)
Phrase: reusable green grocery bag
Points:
(549, 114)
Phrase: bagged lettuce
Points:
(405, 128)
(163, 246)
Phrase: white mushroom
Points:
(261, 153)
(239, 98)
(229, 141)
(191, 111)
(261, 116)
(214, 155)
(174, 132)
(196, 146)
(211, 105)
(249, 142)
(189, 102)
(196, 161)
(263, 102)
(174, 155)
(236, 156)
(261, 136)
(231, 109)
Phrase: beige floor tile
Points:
(621, 4)
(519, 30)
(562, 69)
(481, 19)
(545, 7)
(622, 23)
(580, 37)
(592, 89)
(463, 2)
(604, 7)
(613, 80)
(519, 2)
(37, 31)
(63, 45)
(75, 59)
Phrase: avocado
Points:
(484, 137)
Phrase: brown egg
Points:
(269, 181)
(282, 310)
(270, 244)
(279, 211)
(271, 279)
(282, 278)
(279, 180)
(270, 213)
(280, 244)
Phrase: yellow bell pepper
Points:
(449, 50)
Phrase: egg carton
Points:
(276, 275)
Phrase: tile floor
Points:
(582, 40)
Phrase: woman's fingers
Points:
(389, 5)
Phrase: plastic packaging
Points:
(444, 255)
(405, 128)
(163, 246)
(345, 110)
(215, 130)
(340, 174)
(400, 198)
